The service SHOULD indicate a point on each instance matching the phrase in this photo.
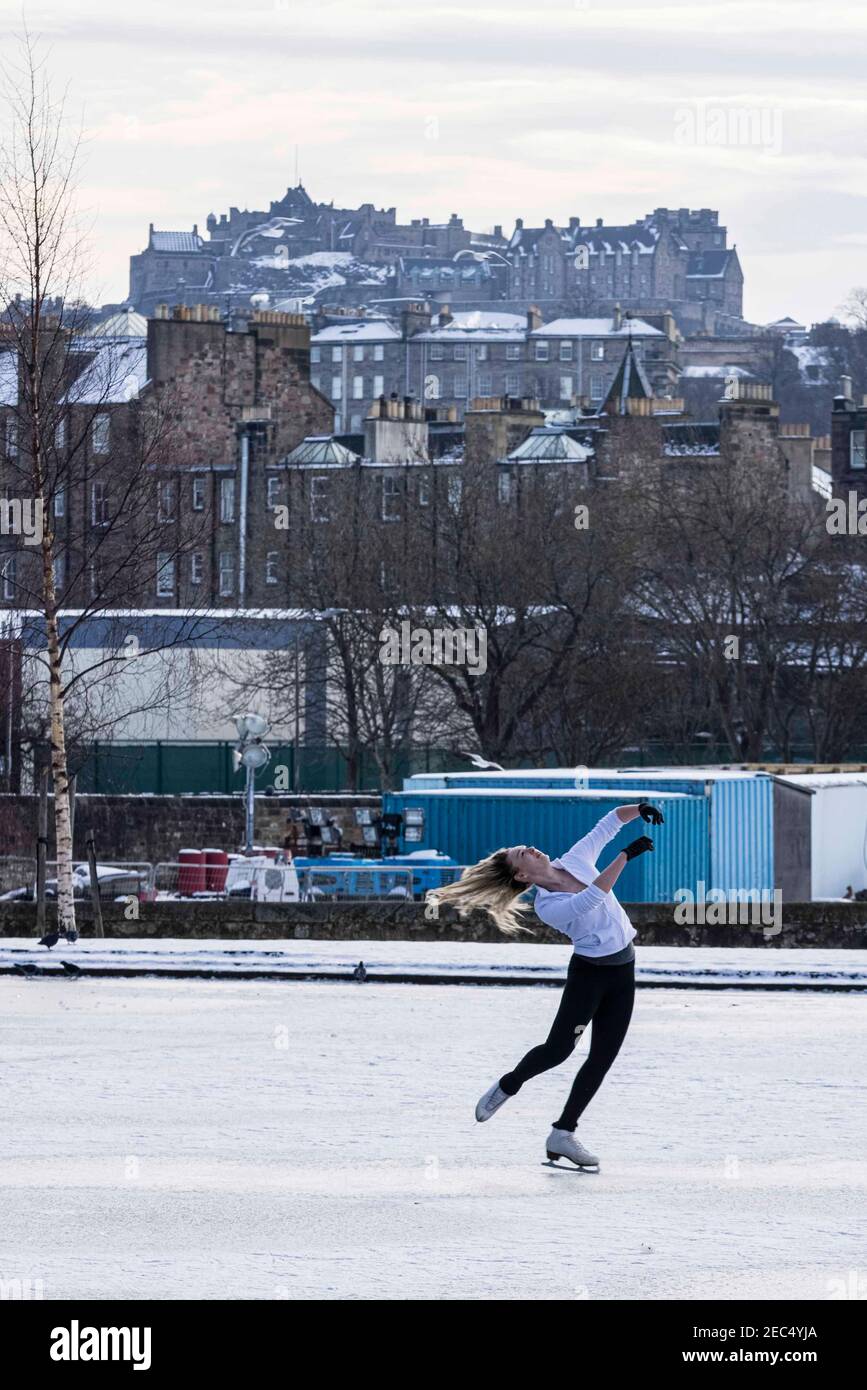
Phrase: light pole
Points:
(252, 754)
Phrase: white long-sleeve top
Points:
(592, 919)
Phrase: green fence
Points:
(168, 768)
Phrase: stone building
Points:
(447, 359)
(299, 253)
(676, 261)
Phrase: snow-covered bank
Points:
(746, 966)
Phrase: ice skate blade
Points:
(553, 1160)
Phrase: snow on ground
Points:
(228, 1139)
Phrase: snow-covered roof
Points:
(821, 481)
(717, 371)
(367, 330)
(8, 378)
(596, 328)
(479, 324)
(547, 445)
(321, 450)
(189, 242)
(126, 323)
(116, 374)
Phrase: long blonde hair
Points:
(492, 886)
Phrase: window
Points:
(166, 501)
(97, 577)
(378, 386)
(542, 352)
(455, 489)
(98, 505)
(227, 573)
(597, 389)
(227, 499)
(486, 384)
(272, 560)
(565, 352)
(378, 352)
(504, 487)
(390, 498)
(460, 386)
(58, 570)
(165, 575)
(198, 494)
(197, 565)
(513, 352)
(11, 437)
(597, 352)
(565, 388)
(60, 502)
(358, 388)
(337, 388)
(315, 354)
(8, 571)
(358, 354)
(319, 499)
(513, 384)
(482, 352)
(316, 382)
(337, 354)
(856, 449)
(60, 434)
(460, 352)
(99, 434)
(424, 492)
(273, 486)
(436, 352)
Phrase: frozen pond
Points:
(219, 1139)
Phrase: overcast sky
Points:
(546, 109)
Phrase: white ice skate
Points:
(491, 1102)
(562, 1144)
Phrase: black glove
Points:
(650, 813)
(639, 846)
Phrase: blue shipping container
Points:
(468, 824)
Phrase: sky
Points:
(558, 108)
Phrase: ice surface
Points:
(193, 1139)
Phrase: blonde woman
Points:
(574, 898)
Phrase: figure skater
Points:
(574, 898)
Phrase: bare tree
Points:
(89, 456)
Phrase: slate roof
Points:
(187, 242)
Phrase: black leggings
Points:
(603, 993)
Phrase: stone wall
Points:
(151, 829)
(804, 924)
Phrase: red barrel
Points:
(191, 873)
(216, 870)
